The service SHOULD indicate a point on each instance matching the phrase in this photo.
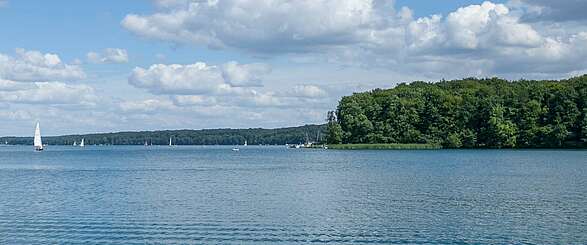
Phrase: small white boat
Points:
(37, 142)
(82, 144)
(245, 143)
(75, 143)
(235, 149)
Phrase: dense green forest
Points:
(253, 136)
(469, 113)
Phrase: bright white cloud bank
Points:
(480, 40)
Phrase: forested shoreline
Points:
(468, 113)
(253, 136)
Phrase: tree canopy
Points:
(468, 113)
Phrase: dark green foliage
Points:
(334, 130)
(469, 113)
(253, 136)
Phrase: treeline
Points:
(253, 136)
(469, 113)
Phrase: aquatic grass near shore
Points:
(384, 147)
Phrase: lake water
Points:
(273, 195)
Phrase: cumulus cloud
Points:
(31, 77)
(485, 38)
(34, 66)
(230, 85)
(199, 78)
(276, 26)
(109, 55)
(245, 75)
(486, 25)
(46, 93)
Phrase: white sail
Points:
(169, 141)
(75, 143)
(245, 142)
(38, 143)
(81, 144)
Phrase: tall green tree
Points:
(333, 129)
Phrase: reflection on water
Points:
(265, 195)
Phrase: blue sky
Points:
(170, 64)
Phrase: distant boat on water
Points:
(170, 142)
(82, 144)
(245, 143)
(75, 143)
(37, 142)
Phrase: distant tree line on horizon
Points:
(468, 113)
(253, 136)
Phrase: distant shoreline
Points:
(226, 136)
(384, 147)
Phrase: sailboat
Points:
(81, 144)
(37, 141)
(245, 143)
(170, 142)
(75, 143)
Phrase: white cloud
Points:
(34, 66)
(486, 25)
(54, 93)
(199, 78)
(7, 85)
(146, 106)
(275, 26)
(308, 91)
(245, 75)
(109, 55)
(229, 85)
(486, 38)
(193, 100)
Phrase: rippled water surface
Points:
(272, 195)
